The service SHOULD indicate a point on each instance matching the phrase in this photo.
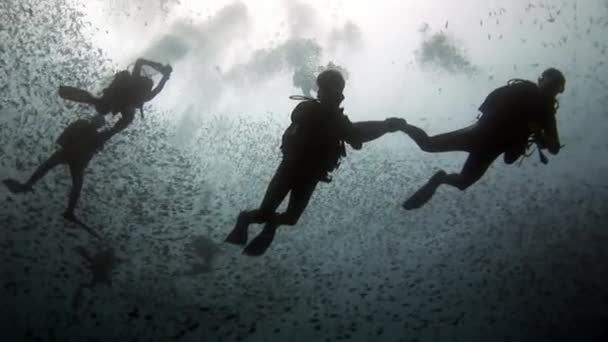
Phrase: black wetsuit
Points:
(127, 92)
(79, 142)
(124, 95)
(312, 147)
(504, 127)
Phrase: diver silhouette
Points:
(513, 117)
(312, 147)
(78, 143)
(127, 92)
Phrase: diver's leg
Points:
(299, 198)
(15, 186)
(275, 194)
(77, 173)
(474, 168)
(460, 140)
(55, 159)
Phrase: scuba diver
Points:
(82, 139)
(312, 147)
(512, 119)
(78, 144)
(127, 92)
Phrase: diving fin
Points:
(425, 193)
(75, 94)
(16, 187)
(238, 235)
(260, 244)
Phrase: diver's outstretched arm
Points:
(366, 131)
(140, 62)
(166, 72)
(164, 69)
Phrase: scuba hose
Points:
(301, 98)
(530, 147)
(533, 140)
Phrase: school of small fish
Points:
(508, 260)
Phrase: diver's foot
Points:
(424, 194)
(238, 235)
(69, 215)
(17, 187)
(260, 244)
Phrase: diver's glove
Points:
(167, 70)
(395, 124)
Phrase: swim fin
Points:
(75, 94)
(238, 235)
(424, 194)
(16, 187)
(260, 244)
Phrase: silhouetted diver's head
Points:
(552, 82)
(331, 85)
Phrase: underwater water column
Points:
(519, 256)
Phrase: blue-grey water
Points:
(520, 256)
